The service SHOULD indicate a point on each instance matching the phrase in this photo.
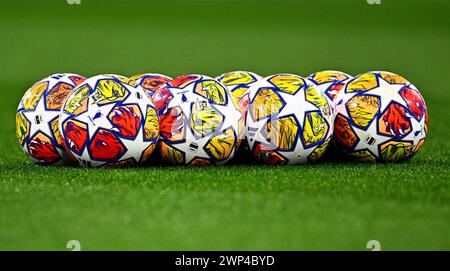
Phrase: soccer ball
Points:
(288, 120)
(380, 116)
(37, 118)
(199, 122)
(150, 82)
(329, 82)
(106, 122)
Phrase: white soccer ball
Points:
(37, 118)
(199, 121)
(288, 121)
(105, 122)
(380, 116)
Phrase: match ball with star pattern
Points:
(380, 116)
(288, 121)
(38, 115)
(106, 122)
(199, 121)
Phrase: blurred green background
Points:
(323, 206)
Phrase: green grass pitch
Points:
(249, 207)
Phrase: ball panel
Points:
(22, 128)
(415, 102)
(147, 153)
(42, 149)
(33, 95)
(221, 145)
(76, 79)
(265, 154)
(109, 91)
(126, 119)
(151, 126)
(319, 151)
(395, 151)
(287, 83)
(76, 135)
(56, 133)
(237, 78)
(282, 133)
(161, 98)
(57, 95)
(77, 101)
(328, 77)
(362, 82)
(394, 121)
(419, 145)
(106, 146)
(170, 154)
(184, 80)
(172, 126)
(239, 93)
(200, 162)
(318, 99)
(362, 156)
(204, 119)
(332, 91)
(266, 103)
(315, 129)
(343, 134)
(392, 78)
(130, 162)
(426, 122)
(212, 90)
(362, 109)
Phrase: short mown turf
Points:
(321, 206)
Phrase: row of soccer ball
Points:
(111, 120)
